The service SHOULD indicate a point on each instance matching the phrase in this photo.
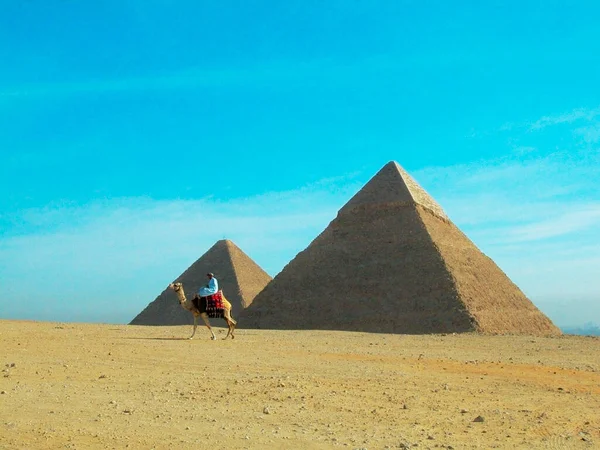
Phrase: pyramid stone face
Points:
(497, 305)
(394, 263)
(250, 279)
(239, 277)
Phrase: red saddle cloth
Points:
(214, 305)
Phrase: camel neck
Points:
(183, 299)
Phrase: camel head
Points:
(177, 287)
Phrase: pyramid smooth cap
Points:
(392, 184)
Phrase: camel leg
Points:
(230, 323)
(195, 326)
(205, 318)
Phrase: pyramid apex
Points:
(393, 185)
(224, 243)
(393, 165)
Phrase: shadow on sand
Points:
(158, 338)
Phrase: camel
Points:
(183, 301)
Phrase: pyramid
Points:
(393, 262)
(239, 277)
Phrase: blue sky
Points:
(134, 134)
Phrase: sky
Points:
(134, 134)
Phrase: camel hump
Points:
(225, 301)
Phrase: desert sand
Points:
(81, 386)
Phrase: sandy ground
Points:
(117, 386)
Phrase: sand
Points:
(83, 386)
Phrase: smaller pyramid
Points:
(240, 278)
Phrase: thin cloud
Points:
(130, 248)
(336, 74)
(505, 202)
(569, 117)
(287, 73)
(564, 224)
(590, 134)
(511, 190)
(184, 79)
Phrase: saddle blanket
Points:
(214, 306)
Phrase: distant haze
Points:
(134, 135)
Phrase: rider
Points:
(211, 288)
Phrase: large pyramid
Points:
(393, 262)
(239, 277)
